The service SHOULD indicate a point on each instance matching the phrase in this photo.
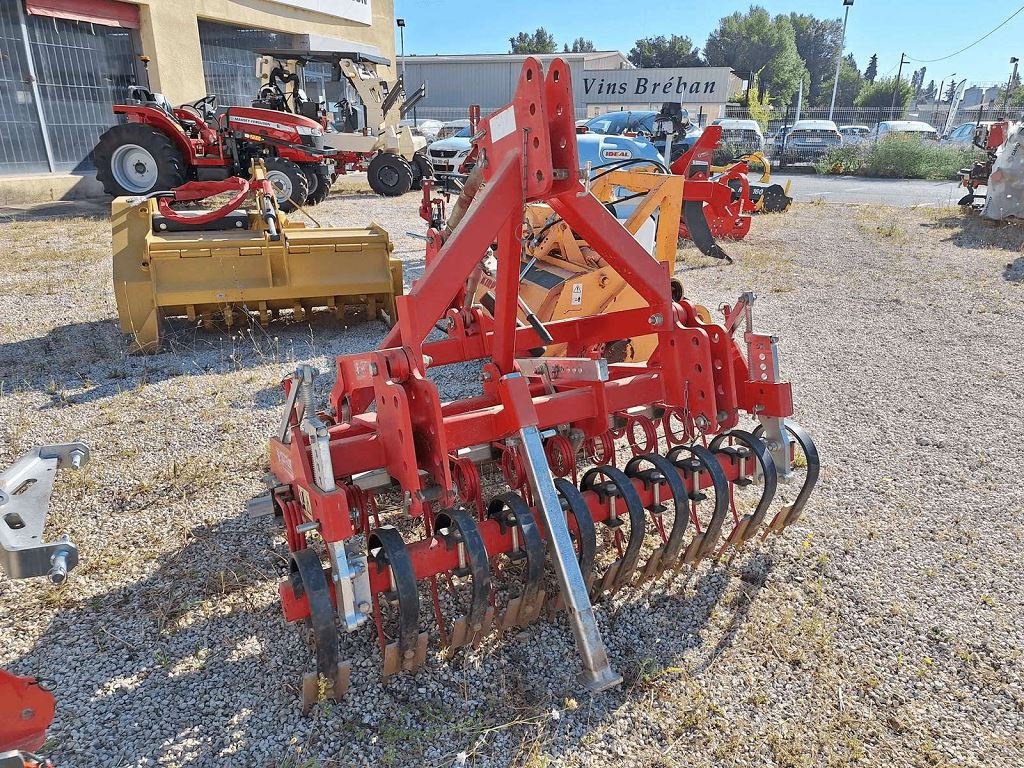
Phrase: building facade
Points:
(603, 81)
(64, 63)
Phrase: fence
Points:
(935, 115)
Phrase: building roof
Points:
(483, 58)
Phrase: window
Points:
(21, 137)
(82, 69)
(229, 59)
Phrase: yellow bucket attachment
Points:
(159, 272)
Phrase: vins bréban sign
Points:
(683, 84)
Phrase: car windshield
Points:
(616, 123)
(464, 133)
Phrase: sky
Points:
(924, 29)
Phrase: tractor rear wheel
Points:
(134, 159)
(389, 175)
(319, 183)
(291, 187)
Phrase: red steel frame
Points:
(727, 214)
(529, 153)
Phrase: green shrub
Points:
(898, 157)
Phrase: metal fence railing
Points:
(936, 115)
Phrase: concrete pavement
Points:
(901, 193)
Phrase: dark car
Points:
(809, 141)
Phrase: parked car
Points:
(744, 135)
(916, 128)
(808, 140)
(854, 134)
(426, 128)
(451, 128)
(963, 134)
(773, 144)
(448, 156)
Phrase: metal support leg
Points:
(597, 673)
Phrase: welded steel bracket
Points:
(25, 489)
(351, 584)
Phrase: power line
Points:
(957, 53)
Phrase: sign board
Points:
(692, 85)
(353, 10)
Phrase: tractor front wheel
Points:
(389, 175)
(134, 159)
(291, 187)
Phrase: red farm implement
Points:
(570, 444)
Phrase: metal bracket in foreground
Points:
(25, 489)
(597, 672)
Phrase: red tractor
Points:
(160, 148)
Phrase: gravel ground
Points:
(885, 628)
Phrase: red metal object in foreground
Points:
(727, 205)
(388, 432)
(26, 711)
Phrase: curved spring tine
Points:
(586, 531)
(307, 578)
(704, 543)
(748, 525)
(470, 627)
(791, 513)
(663, 471)
(510, 509)
(386, 550)
(618, 486)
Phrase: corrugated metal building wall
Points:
(455, 82)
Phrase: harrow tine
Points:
(662, 471)
(791, 513)
(457, 528)
(387, 550)
(701, 459)
(308, 578)
(618, 486)
(747, 526)
(512, 511)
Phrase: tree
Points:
(850, 85)
(580, 45)
(661, 51)
(950, 92)
(754, 42)
(872, 70)
(929, 91)
(541, 41)
(879, 94)
(818, 41)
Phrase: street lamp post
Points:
(1009, 83)
(847, 4)
(401, 33)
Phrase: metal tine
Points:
(618, 487)
(512, 512)
(460, 530)
(747, 526)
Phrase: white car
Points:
(916, 128)
(426, 128)
(743, 134)
(448, 156)
(854, 134)
(808, 141)
(451, 128)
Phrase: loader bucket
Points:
(700, 232)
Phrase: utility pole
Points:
(839, 60)
(1009, 83)
(896, 86)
